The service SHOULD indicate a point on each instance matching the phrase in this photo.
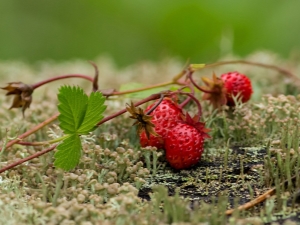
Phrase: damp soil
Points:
(239, 180)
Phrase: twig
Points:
(253, 202)
(140, 89)
(35, 155)
(191, 96)
(267, 66)
(286, 72)
(36, 85)
(260, 198)
(31, 131)
(96, 77)
(150, 98)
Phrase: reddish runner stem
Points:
(35, 155)
(150, 98)
(36, 85)
(141, 89)
(196, 101)
(189, 76)
(267, 66)
(31, 131)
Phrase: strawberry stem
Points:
(31, 131)
(190, 76)
(95, 80)
(140, 89)
(35, 155)
(157, 104)
(188, 99)
(286, 72)
(150, 98)
(36, 85)
(195, 100)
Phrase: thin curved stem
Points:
(150, 98)
(189, 75)
(31, 131)
(196, 101)
(140, 89)
(254, 202)
(267, 66)
(96, 77)
(157, 104)
(36, 85)
(35, 155)
(26, 143)
(262, 197)
(188, 99)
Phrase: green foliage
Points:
(79, 115)
(140, 94)
(69, 152)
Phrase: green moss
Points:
(253, 148)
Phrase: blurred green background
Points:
(133, 30)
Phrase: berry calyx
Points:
(223, 90)
(164, 117)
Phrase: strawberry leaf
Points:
(73, 103)
(93, 113)
(69, 152)
(79, 115)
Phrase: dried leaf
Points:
(23, 95)
(216, 91)
(143, 121)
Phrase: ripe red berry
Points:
(236, 83)
(184, 143)
(165, 117)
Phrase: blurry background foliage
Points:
(134, 30)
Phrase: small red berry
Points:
(165, 116)
(184, 143)
(236, 83)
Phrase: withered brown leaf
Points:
(23, 94)
(217, 91)
(143, 121)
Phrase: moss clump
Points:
(253, 148)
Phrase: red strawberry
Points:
(184, 143)
(165, 116)
(219, 91)
(236, 83)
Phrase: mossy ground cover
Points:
(253, 148)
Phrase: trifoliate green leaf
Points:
(79, 114)
(93, 113)
(72, 107)
(69, 152)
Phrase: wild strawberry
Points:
(236, 83)
(165, 116)
(184, 143)
(222, 90)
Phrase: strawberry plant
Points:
(164, 117)
(190, 135)
(79, 115)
